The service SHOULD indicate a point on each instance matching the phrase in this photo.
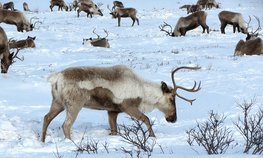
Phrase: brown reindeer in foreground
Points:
(98, 42)
(116, 89)
(60, 3)
(26, 43)
(232, 18)
(16, 18)
(124, 13)
(253, 44)
(6, 57)
(187, 23)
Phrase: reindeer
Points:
(253, 44)
(1, 6)
(26, 43)
(9, 5)
(115, 89)
(6, 57)
(90, 9)
(25, 7)
(98, 42)
(207, 4)
(232, 18)
(185, 24)
(124, 13)
(60, 3)
(16, 18)
(194, 8)
(117, 4)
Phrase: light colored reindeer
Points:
(115, 89)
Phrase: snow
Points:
(25, 95)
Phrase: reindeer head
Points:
(8, 59)
(168, 101)
(98, 42)
(253, 34)
(168, 32)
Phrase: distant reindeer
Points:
(115, 89)
(208, 4)
(253, 44)
(6, 57)
(9, 5)
(185, 24)
(90, 9)
(194, 8)
(60, 3)
(25, 7)
(124, 13)
(16, 18)
(117, 4)
(232, 18)
(26, 43)
(98, 42)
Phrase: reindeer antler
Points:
(15, 56)
(111, 10)
(193, 89)
(259, 28)
(107, 33)
(95, 32)
(161, 27)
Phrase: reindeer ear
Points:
(33, 38)
(165, 88)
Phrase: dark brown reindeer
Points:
(6, 57)
(90, 9)
(115, 89)
(60, 3)
(187, 23)
(124, 13)
(98, 42)
(26, 43)
(253, 44)
(25, 7)
(16, 18)
(117, 4)
(9, 5)
(208, 4)
(232, 18)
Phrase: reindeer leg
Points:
(78, 12)
(223, 26)
(119, 21)
(55, 109)
(130, 106)
(112, 121)
(133, 21)
(71, 115)
(137, 21)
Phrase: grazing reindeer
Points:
(26, 43)
(6, 58)
(115, 89)
(60, 3)
(90, 9)
(232, 18)
(16, 18)
(253, 44)
(9, 5)
(124, 13)
(117, 4)
(207, 4)
(194, 8)
(99, 42)
(25, 7)
(185, 24)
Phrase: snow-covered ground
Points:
(25, 95)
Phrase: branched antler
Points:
(195, 88)
(161, 27)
